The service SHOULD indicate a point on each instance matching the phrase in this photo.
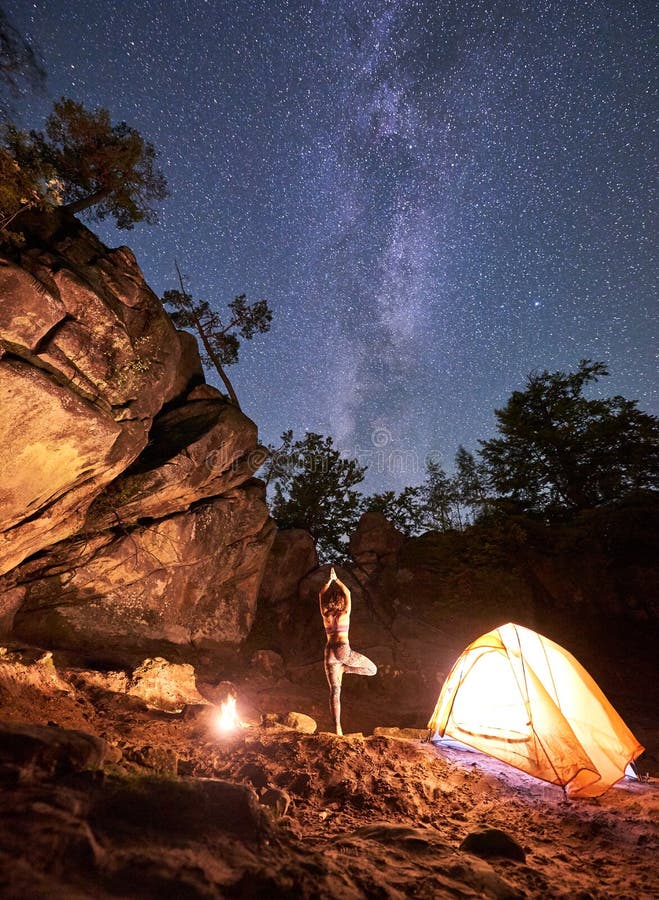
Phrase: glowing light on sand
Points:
(227, 718)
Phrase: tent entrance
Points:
(488, 702)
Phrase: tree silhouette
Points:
(314, 488)
(559, 451)
(471, 484)
(101, 169)
(440, 498)
(443, 502)
(21, 187)
(220, 338)
(405, 510)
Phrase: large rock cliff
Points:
(128, 511)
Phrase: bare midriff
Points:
(337, 635)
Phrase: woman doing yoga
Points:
(335, 607)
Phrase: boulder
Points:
(111, 682)
(190, 372)
(181, 809)
(376, 542)
(292, 721)
(164, 685)
(49, 750)
(58, 450)
(300, 722)
(29, 309)
(129, 518)
(191, 578)
(200, 449)
(292, 557)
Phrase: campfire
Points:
(227, 716)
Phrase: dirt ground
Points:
(376, 813)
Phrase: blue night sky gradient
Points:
(434, 197)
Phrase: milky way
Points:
(436, 198)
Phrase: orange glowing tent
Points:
(523, 699)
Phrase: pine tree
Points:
(101, 169)
(220, 338)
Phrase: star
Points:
(402, 180)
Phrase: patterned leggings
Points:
(340, 659)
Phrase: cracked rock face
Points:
(190, 578)
(128, 512)
(293, 556)
(202, 448)
(88, 358)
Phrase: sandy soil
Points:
(366, 815)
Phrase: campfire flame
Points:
(227, 718)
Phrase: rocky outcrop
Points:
(292, 557)
(201, 448)
(190, 578)
(128, 511)
(375, 542)
(601, 563)
(88, 358)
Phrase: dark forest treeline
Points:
(557, 454)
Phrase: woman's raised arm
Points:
(346, 591)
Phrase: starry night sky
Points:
(435, 197)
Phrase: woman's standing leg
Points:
(334, 672)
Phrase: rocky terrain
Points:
(142, 583)
(128, 513)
